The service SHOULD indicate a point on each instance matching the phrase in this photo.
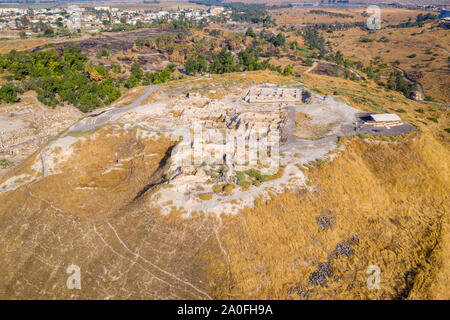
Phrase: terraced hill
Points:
(96, 197)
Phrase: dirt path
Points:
(96, 118)
(442, 48)
(88, 123)
(405, 76)
(315, 64)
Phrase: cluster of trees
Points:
(249, 58)
(254, 13)
(339, 26)
(280, 6)
(179, 48)
(181, 23)
(250, 33)
(278, 40)
(398, 83)
(225, 61)
(58, 78)
(331, 14)
(243, 12)
(68, 77)
(138, 76)
(376, 67)
(9, 92)
(196, 64)
(314, 38)
(420, 21)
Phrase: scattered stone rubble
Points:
(234, 146)
(27, 125)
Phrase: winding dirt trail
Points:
(96, 118)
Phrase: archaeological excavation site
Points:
(214, 188)
(230, 145)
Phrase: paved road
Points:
(96, 118)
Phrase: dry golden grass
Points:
(372, 97)
(252, 77)
(392, 196)
(431, 49)
(22, 44)
(97, 177)
(437, 285)
(89, 215)
(216, 86)
(154, 95)
(296, 64)
(430, 44)
(303, 15)
(27, 44)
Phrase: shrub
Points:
(365, 40)
(240, 176)
(217, 188)
(8, 93)
(229, 188)
(5, 163)
(253, 173)
(205, 196)
(245, 184)
(308, 62)
(287, 70)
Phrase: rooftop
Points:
(385, 117)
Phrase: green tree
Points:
(8, 93)
(49, 32)
(196, 64)
(136, 70)
(288, 70)
(223, 62)
(250, 33)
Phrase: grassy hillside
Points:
(421, 52)
(384, 201)
(380, 203)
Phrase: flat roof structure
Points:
(385, 117)
(273, 95)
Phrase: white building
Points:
(385, 117)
